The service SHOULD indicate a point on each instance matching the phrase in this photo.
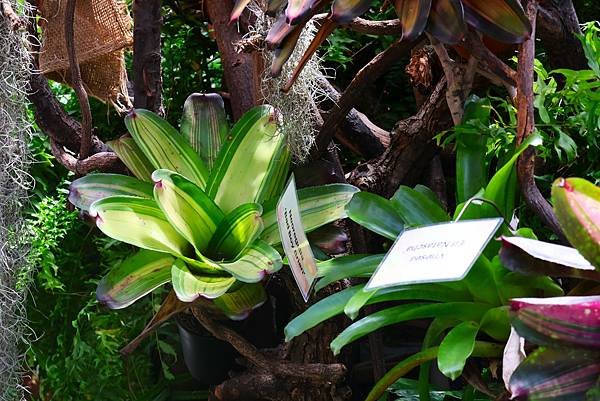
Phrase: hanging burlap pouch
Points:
(102, 30)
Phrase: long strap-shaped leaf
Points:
(189, 286)
(446, 21)
(344, 11)
(135, 277)
(413, 14)
(165, 147)
(318, 206)
(297, 10)
(238, 304)
(132, 156)
(204, 124)
(375, 213)
(138, 222)
(246, 166)
(253, 264)
(189, 210)
(86, 190)
(503, 20)
(238, 230)
(346, 267)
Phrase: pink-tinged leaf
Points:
(556, 374)
(283, 53)
(273, 6)
(446, 21)
(298, 10)
(330, 238)
(503, 20)
(577, 207)
(324, 31)
(572, 321)
(413, 15)
(344, 11)
(238, 8)
(514, 354)
(278, 32)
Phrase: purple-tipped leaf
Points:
(238, 8)
(298, 10)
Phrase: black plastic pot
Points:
(208, 359)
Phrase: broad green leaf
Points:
(318, 206)
(503, 20)
(432, 196)
(138, 222)
(88, 189)
(253, 264)
(495, 323)
(189, 286)
(344, 11)
(446, 21)
(562, 321)
(460, 310)
(481, 282)
(204, 124)
(132, 156)
(413, 15)
(515, 285)
(358, 300)
(350, 266)
(456, 348)
(193, 214)
(238, 8)
(376, 214)
(556, 374)
(133, 278)
(237, 230)
(250, 165)
(471, 172)
(577, 207)
(417, 209)
(165, 147)
(238, 304)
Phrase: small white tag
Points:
(563, 255)
(294, 241)
(441, 252)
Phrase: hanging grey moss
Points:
(14, 183)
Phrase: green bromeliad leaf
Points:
(376, 214)
(132, 156)
(237, 230)
(138, 222)
(416, 208)
(189, 210)
(204, 124)
(350, 266)
(577, 207)
(318, 206)
(165, 147)
(86, 190)
(456, 348)
(133, 278)
(252, 166)
(189, 286)
(238, 304)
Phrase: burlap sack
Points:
(102, 30)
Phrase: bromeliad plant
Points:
(462, 311)
(202, 206)
(446, 20)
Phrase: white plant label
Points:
(294, 241)
(440, 252)
(563, 255)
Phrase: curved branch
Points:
(103, 161)
(361, 25)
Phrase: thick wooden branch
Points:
(361, 25)
(526, 126)
(147, 84)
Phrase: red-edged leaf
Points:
(344, 11)
(413, 15)
(239, 7)
(556, 374)
(503, 20)
(446, 21)
(573, 321)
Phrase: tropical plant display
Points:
(170, 258)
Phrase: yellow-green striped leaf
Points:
(238, 230)
(189, 210)
(318, 206)
(204, 124)
(132, 156)
(138, 222)
(86, 190)
(133, 278)
(165, 147)
(238, 304)
(189, 286)
(249, 165)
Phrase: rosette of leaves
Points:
(201, 206)
(446, 20)
(465, 314)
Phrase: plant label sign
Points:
(440, 252)
(562, 255)
(294, 241)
